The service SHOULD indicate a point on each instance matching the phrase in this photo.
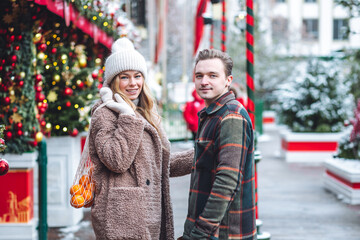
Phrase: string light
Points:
(57, 127)
(85, 6)
(94, 18)
(65, 129)
(59, 108)
(105, 24)
(76, 106)
(47, 67)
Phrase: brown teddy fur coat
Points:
(121, 148)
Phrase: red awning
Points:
(69, 13)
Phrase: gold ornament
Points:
(41, 55)
(82, 62)
(89, 81)
(52, 96)
(56, 78)
(16, 117)
(22, 75)
(39, 136)
(37, 38)
(8, 19)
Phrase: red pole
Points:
(250, 74)
(223, 27)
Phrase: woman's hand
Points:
(119, 105)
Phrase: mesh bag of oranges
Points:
(83, 189)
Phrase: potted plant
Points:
(342, 173)
(314, 108)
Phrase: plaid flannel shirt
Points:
(222, 189)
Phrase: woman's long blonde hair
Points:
(145, 106)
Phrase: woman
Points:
(131, 154)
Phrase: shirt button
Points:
(147, 182)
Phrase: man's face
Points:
(210, 80)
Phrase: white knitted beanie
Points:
(123, 57)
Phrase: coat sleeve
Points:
(117, 139)
(234, 139)
(181, 163)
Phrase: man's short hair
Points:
(213, 53)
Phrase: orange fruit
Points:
(91, 187)
(89, 204)
(84, 180)
(88, 196)
(76, 189)
(77, 201)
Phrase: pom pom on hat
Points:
(123, 57)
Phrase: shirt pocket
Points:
(205, 158)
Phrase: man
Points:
(222, 189)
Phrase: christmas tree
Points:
(318, 101)
(50, 71)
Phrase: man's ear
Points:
(229, 80)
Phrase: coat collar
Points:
(219, 103)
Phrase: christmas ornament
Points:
(52, 96)
(39, 136)
(20, 83)
(13, 58)
(16, 117)
(42, 47)
(68, 104)
(38, 78)
(8, 135)
(56, 77)
(68, 91)
(37, 38)
(19, 125)
(19, 133)
(82, 62)
(74, 132)
(4, 167)
(6, 100)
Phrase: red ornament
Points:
(6, 100)
(38, 78)
(19, 37)
(42, 110)
(17, 48)
(33, 143)
(94, 74)
(42, 47)
(39, 97)
(68, 91)
(43, 123)
(80, 85)
(4, 167)
(2, 142)
(11, 39)
(19, 125)
(53, 50)
(74, 132)
(3, 88)
(13, 58)
(21, 83)
(38, 88)
(19, 132)
(8, 135)
(68, 104)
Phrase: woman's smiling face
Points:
(131, 83)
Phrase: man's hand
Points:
(119, 105)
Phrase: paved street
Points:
(293, 203)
